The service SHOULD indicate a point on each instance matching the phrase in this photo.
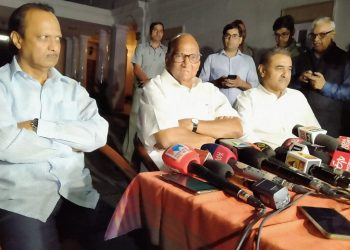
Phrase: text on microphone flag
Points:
(344, 142)
(341, 160)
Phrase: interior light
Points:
(4, 38)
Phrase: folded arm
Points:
(207, 132)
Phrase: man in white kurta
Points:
(177, 107)
(270, 111)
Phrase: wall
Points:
(206, 18)
(67, 10)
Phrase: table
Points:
(177, 219)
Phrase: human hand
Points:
(305, 76)
(25, 125)
(232, 83)
(317, 80)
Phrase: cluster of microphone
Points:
(309, 162)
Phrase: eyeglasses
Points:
(322, 35)
(282, 35)
(181, 57)
(228, 36)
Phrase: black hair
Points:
(266, 57)
(230, 26)
(16, 20)
(151, 27)
(286, 21)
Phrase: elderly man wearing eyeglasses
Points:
(230, 69)
(323, 63)
(177, 107)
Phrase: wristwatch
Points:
(195, 124)
(34, 124)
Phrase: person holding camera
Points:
(230, 69)
(324, 63)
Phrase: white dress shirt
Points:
(36, 169)
(269, 119)
(165, 101)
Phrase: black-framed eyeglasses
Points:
(322, 35)
(228, 36)
(282, 35)
(181, 57)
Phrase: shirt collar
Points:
(260, 86)
(223, 52)
(169, 78)
(161, 46)
(53, 74)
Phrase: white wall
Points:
(68, 10)
(205, 19)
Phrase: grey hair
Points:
(172, 42)
(324, 19)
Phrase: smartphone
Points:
(233, 77)
(328, 221)
(188, 183)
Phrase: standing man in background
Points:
(47, 122)
(324, 63)
(148, 62)
(230, 69)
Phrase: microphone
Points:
(185, 160)
(271, 194)
(318, 136)
(298, 144)
(266, 149)
(301, 161)
(223, 154)
(331, 178)
(256, 159)
(311, 165)
(308, 133)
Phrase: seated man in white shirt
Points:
(177, 107)
(270, 111)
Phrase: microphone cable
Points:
(257, 216)
(258, 236)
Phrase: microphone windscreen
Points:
(221, 169)
(325, 157)
(287, 143)
(295, 130)
(252, 157)
(179, 156)
(329, 142)
(281, 153)
(219, 152)
(266, 149)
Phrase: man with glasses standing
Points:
(323, 63)
(230, 69)
(177, 107)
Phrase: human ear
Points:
(16, 39)
(261, 70)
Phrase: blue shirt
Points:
(219, 64)
(339, 91)
(36, 169)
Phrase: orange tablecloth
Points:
(179, 220)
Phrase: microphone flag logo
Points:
(178, 151)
